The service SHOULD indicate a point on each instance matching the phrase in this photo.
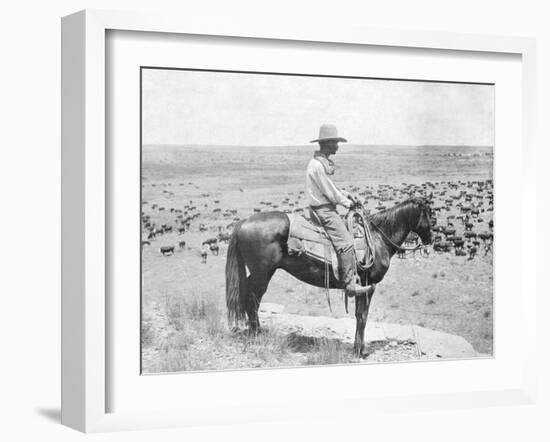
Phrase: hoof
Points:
(361, 354)
(364, 354)
(254, 331)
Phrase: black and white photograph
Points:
(307, 220)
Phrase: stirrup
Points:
(357, 290)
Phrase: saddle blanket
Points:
(306, 237)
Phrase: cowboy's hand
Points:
(348, 195)
(352, 198)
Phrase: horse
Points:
(259, 243)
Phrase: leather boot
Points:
(346, 261)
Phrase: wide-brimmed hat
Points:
(328, 132)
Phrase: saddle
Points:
(307, 236)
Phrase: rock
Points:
(431, 343)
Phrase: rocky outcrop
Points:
(430, 344)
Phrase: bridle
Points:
(399, 248)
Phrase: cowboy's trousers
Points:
(341, 240)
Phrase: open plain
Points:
(193, 195)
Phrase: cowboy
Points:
(323, 196)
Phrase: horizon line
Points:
(311, 145)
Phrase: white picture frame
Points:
(84, 200)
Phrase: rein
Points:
(400, 248)
(405, 249)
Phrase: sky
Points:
(219, 108)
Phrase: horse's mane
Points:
(392, 219)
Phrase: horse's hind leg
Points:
(257, 286)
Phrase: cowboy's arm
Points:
(328, 188)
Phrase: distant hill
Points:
(350, 146)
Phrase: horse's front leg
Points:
(362, 304)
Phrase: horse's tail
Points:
(235, 280)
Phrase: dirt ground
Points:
(183, 299)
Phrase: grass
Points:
(147, 333)
(197, 338)
(201, 307)
(174, 312)
(328, 351)
(268, 346)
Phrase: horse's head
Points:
(423, 226)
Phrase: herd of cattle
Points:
(462, 216)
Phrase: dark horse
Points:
(259, 243)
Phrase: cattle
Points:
(204, 253)
(215, 249)
(224, 237)
(449, 232)
(181, 244)
(442, 246)
(485, 236)
(458, 243)
(167, 250)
